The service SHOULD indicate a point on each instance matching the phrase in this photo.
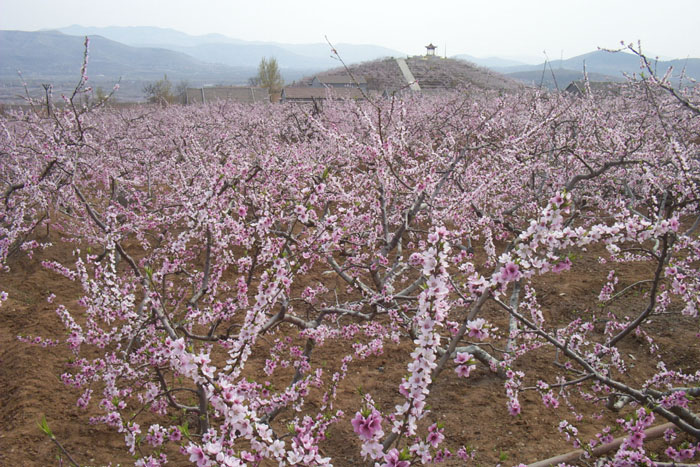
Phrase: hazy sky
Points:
(506, 28)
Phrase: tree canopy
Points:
(160, 91)
(269, 75)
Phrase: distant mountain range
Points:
(217, 48)
(138, 55)
(52, 54)
(146, 36)
(490, 62)
(56, 58)
(608, 63)
(558, 78)
(600, 66)
(144, 54)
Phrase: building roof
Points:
(341, 79)
(237, 93)
(607, 88)
(431, 46)
(309, 93)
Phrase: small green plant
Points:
(44, 427)
(185, 430)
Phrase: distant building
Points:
(601, 88)
(311, 94)
(218, 93)
(339, 81)
(430, 50)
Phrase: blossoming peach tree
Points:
(225, 251)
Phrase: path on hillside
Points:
(410, 79)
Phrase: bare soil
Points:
(473, 410)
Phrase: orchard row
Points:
(207, 236)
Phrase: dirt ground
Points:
(473, 410)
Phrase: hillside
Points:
(431, 73)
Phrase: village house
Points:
(339, 81)
(216, 93)
(601, 88)
(311, 94)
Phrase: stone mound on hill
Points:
(433, 74)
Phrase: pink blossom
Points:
(562, 266)
(636, 439)
(510, 272)
(435, 436)
(197, 455)
(175, 435)
(549, 400)
(368, 427)
(463, 357)
(392, 459)
(463, 371)
(513, 407)
(372, 449)
(478, 328)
